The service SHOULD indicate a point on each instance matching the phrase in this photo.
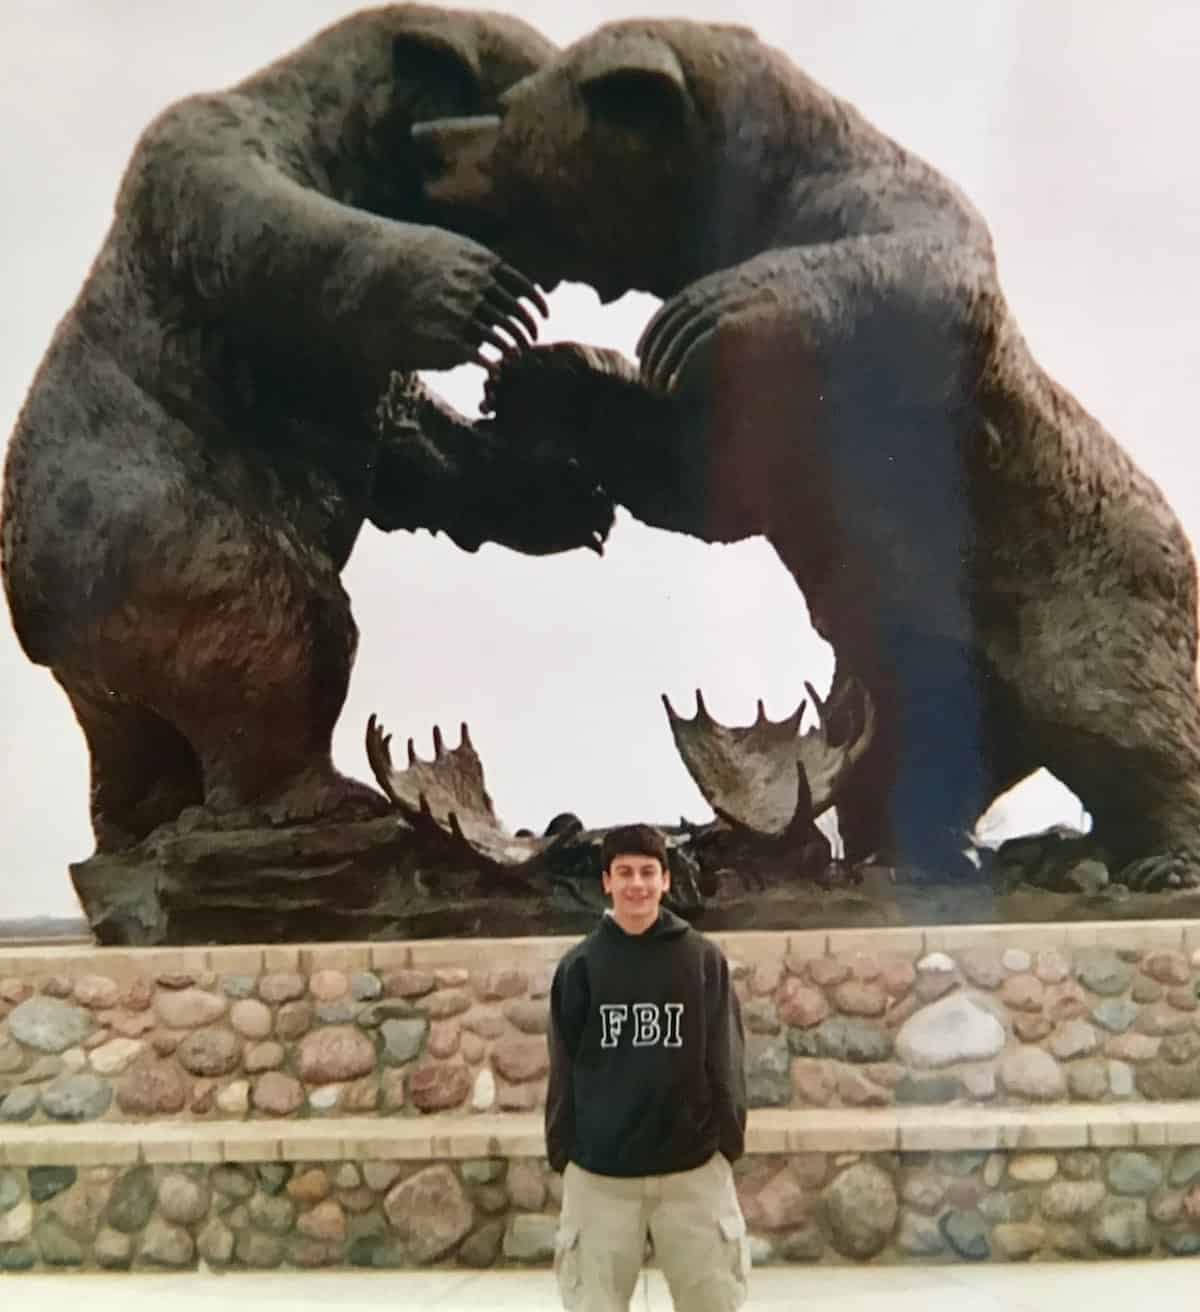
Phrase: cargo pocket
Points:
(567, 1266)
(737, 1244)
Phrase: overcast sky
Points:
(1070, 123)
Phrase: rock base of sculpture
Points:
(378, 880)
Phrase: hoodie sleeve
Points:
(726, 1063)
(568, 1015)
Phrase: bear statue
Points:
(834, 367)
(206, 434)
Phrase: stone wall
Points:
(806, 1207)
(1012, 1015)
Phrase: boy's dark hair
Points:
(633, 840)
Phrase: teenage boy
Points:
(646, 1107)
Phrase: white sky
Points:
(1071, 123)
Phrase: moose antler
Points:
(768, 777)
(446, 800)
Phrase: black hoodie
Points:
(646, 1050)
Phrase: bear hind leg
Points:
(144, 772)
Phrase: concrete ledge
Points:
(531, 953)
(905, 1129)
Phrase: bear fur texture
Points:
(204, 440)
(834, 366)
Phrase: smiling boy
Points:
(646, 1108)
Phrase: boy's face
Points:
(636, 884)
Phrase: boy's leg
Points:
(601, 1240)
(700, 1238)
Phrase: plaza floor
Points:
(1101, 1287)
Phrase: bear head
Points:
(424, 62)
(645, 155)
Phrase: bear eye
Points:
(430, 70)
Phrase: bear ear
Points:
(431, 59)
(637, 82)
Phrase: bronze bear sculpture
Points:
(202, 442)
(835, 367)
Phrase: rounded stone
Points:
(1073, 1038)
(1120, 1079)
(482, 1247)
(854, 1040)
(967, 1234)
(526, 1186)
(1115, 1014)
(333, 1054)
(937, 963)
(97, 991)
(210, 1052)
(856, 998)
(311, 1186)
(1023, 993)
(1122, 1228)
(862, 1209)
(113, 1250)
(1167, 967)
(115, 1056)
(234, 1181)
(529, 1016)
(1133, 1173)
(445, 1003)
(326, 1221)
(251, 1018)
(1033, 1168)
(408, 984)
(530, 1238)
(267, 1056)
(800, 1005)
(258, 1251)
(983, 965)
(440, 1087)
(234, 1098)
(768, 1072)
(954, 1029)
(1102, 971)
(329, 985)
(1028, 1072)
(429, 1212)
(274, 1214)
(1067, 1200)
(1088, 1080)
(520, 1059)
(281, 986)
(918, 1236)
(325, 1099)
(277, 1094)
(403, 1040)
(182, 1199)
(76, 1098)
(365, 986)
(19, 1105)
(1051, 966)
(1185, 1168)
(1017, 1241)
(49, 1024)
(486, 1023)
(190, 1008)
(132, 1200)
(294, 1020)
(483, 1093)
(444, 1037)
(17, 1223)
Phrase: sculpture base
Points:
(375, 880)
